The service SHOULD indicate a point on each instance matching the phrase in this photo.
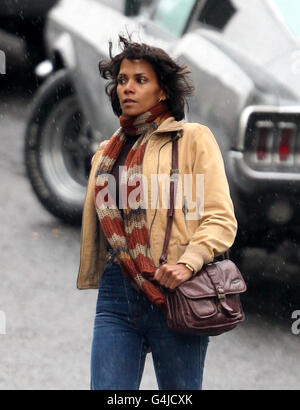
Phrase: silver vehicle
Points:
(245, 63)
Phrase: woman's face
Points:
(138, 88)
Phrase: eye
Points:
(142, 80)
(121, 80)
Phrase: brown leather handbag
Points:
(208, 303)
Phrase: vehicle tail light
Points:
(270, 139)
(264, 138)
(286, 140)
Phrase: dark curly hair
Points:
(172, 77)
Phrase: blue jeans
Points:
(126, 325)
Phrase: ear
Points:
(162, 96)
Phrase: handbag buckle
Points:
(220, 293)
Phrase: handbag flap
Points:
(205, 309)
(228, 276)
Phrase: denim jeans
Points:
(126, 325)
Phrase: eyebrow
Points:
(136, 75)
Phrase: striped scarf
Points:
(128, 235)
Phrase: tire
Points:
(58, 148)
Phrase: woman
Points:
(124, 223)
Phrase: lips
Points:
(128, 101)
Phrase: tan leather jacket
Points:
(193, 240)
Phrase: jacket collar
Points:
(170, 124)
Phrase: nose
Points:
(129, 88)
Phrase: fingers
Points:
(171, 276)
(158, 274)
(172, 284)
(164, 276)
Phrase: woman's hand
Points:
(171, 276)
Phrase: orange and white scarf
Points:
(128, 235)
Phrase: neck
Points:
(133, 125)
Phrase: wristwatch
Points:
(190, 268)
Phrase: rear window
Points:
(173, 15)
(290, 12)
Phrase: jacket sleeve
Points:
(217, 226)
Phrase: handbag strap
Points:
(174, 172)
(173, 187)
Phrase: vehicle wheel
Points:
(59, 145)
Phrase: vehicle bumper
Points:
(263, 200)
(250, 181)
